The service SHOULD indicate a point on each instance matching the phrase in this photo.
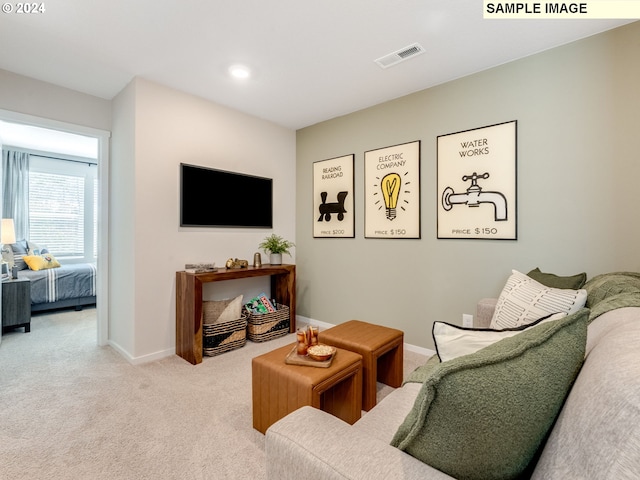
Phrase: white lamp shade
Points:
(7, 231)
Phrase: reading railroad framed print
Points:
(392, 191)
(476, 192)
(333, 198)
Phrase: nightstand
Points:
(16, 304)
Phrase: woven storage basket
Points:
(218, 338)
(267, 326)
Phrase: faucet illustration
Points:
(475, 196)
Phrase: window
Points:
(63, 207)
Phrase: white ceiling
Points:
(311, 60)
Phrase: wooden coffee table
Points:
(279, 389)
(382, 350)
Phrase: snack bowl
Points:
(320, 352)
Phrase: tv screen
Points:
(216, 198)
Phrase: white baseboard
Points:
(306, 321)
(427, 352)
(144, 358)
(300, 320)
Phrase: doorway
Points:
(101, 140)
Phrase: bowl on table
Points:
(320, 352)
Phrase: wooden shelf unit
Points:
(189, 301)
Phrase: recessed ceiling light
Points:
(239, 71)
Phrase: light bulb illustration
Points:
(390, 186)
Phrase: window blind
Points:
(56, 212)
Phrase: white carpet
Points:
(72, 410)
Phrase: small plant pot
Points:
(275, 258)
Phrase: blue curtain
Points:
(15, 190)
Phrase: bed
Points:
(72, 285)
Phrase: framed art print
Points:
(333, 198)
(392, 191)
(477, 183)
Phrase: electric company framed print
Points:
(333, 198)
(476, 192)
(392, 191)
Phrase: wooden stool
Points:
(279, 389)
(382, 351)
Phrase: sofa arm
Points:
(484, 312)
(310, 444)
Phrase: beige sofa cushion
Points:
(383, 421)
(597, 434)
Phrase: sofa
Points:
(595, 433)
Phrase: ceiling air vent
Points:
(400, 55)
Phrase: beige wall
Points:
(170, 127)
(122, 223)
(577, 111)
(28, 96)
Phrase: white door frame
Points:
(103, 136)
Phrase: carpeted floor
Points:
(72, 410)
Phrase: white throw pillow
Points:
(222, 311)
(524, 300)
(453, 341)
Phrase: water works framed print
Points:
(477, 183)
(333, 198)
(392, 191)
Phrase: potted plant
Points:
(275, 246)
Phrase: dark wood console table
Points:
(189, 301)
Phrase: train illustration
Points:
(327, 209)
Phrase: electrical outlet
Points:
(467, 320)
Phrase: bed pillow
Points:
(35, 249)
(20, 249)
(524, 300)
(41, 262)
(452, 341)
(551, 280)
(486, 415)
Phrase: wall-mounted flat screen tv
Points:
(217, 198)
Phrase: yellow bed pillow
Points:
(41, 262)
